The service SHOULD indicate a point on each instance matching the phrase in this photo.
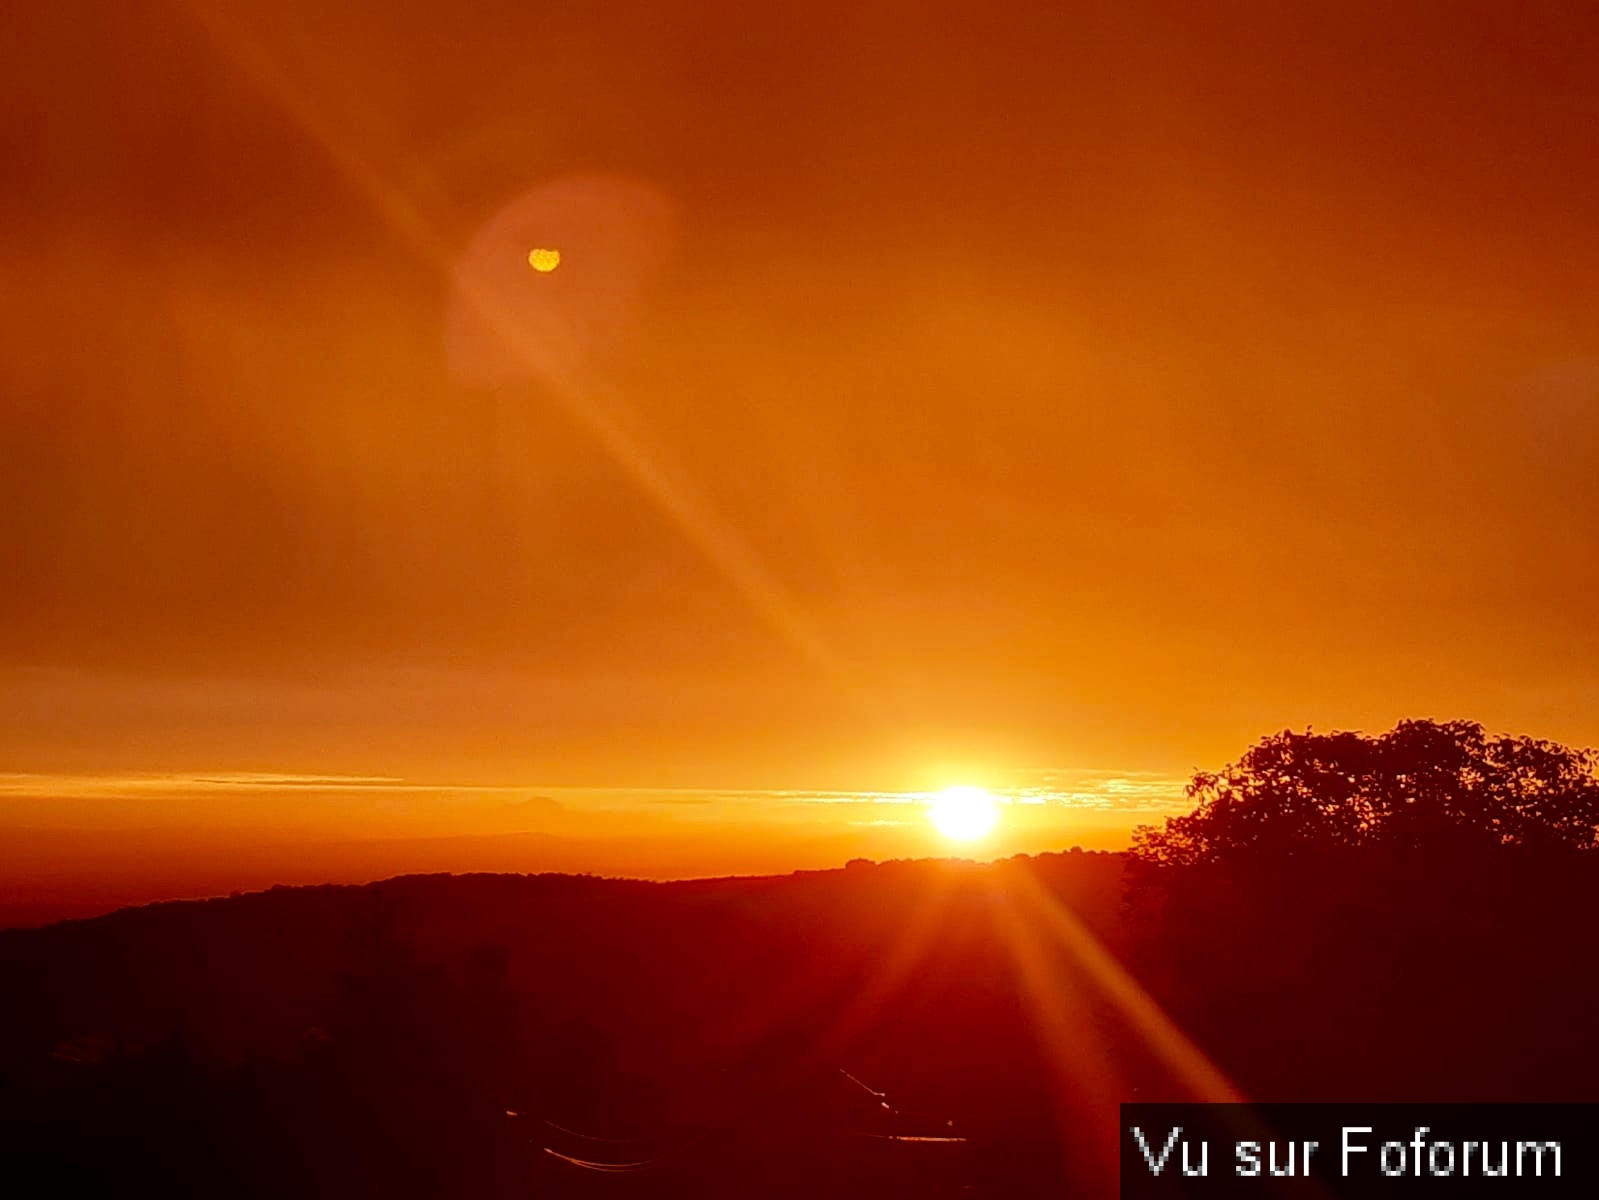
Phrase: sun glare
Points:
(964, 814)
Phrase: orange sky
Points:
(928, 391)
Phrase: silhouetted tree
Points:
(1423, 784)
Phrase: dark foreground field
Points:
(916, 1029)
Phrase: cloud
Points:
(540, 804)
(40, 784)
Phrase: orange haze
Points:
(927, 393)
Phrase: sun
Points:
(964, 814)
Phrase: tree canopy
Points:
(1421, 785)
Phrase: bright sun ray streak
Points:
(753, 1022)
(1062, 1021)
(703, 530)
(907, 952)
(724, 550)
(1202, 1078)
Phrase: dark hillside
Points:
(699, 1032)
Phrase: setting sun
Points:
(964, 814)
(543, 260)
